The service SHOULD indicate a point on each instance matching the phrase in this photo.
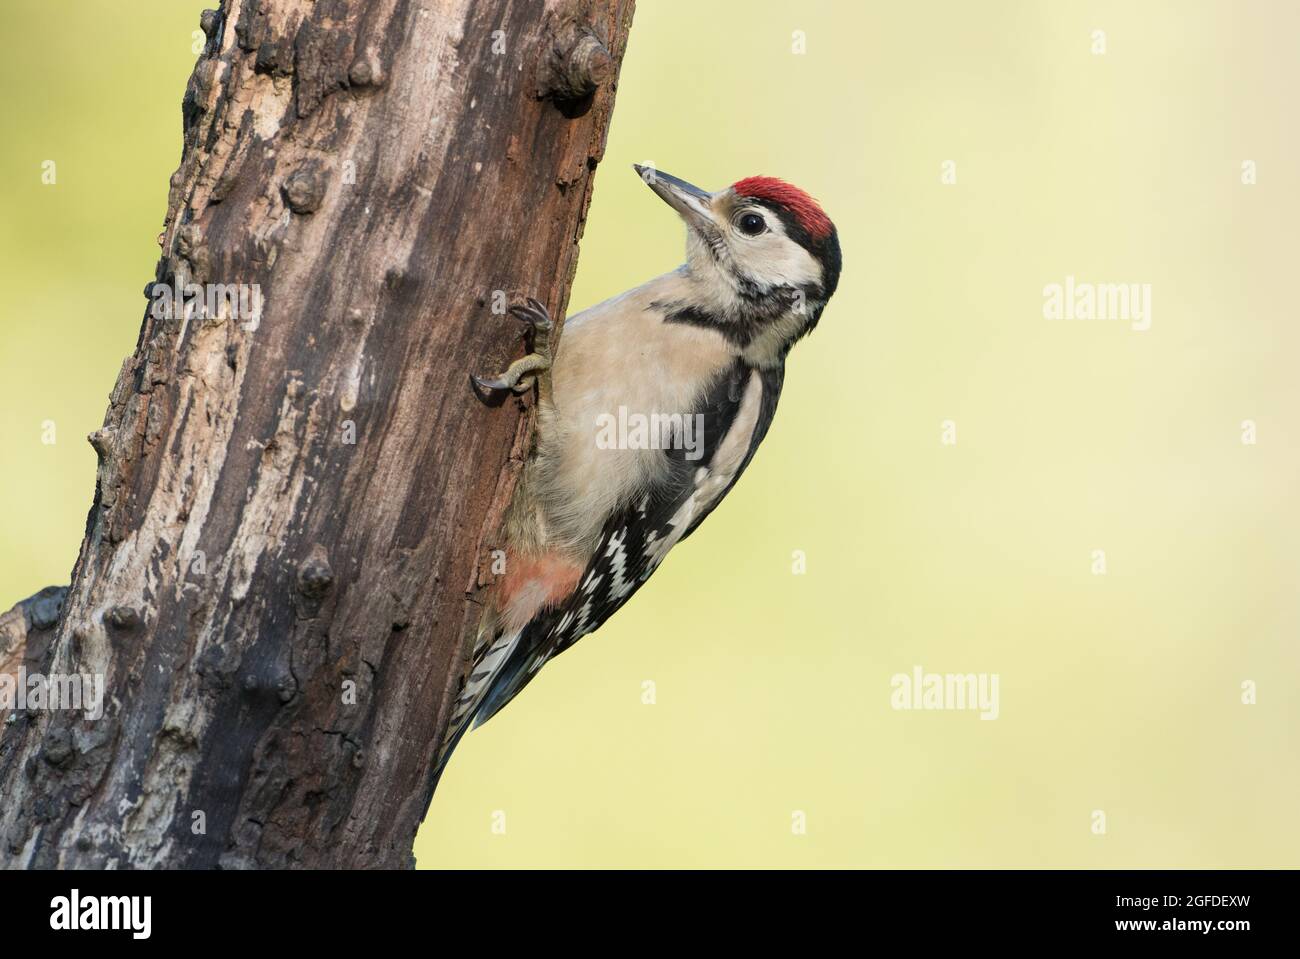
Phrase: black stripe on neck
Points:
(759, 309)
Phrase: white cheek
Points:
(774, 259)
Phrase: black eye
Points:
(751, 224)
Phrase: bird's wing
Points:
(737, 414)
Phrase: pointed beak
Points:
(695, 205)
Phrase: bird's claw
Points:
(522, 373)
(534, 314)
(490, 384)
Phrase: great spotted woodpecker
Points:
(701, 353)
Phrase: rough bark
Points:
(293, 514)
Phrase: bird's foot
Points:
(522, 373)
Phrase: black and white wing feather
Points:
(737, 413)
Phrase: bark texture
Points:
(294, 511)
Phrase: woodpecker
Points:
(702, 346)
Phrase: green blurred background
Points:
(1119, 692)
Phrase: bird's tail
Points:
(492, 649)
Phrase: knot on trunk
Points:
(44, 608)
(574, 64)
(367, 71)
(315, 576)
(123, 617)
(304, 190)
(209, 22)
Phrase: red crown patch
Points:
(806, 211)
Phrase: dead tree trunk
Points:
(294, 508)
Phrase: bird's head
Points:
(763, 243)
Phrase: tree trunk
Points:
(296, 507)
